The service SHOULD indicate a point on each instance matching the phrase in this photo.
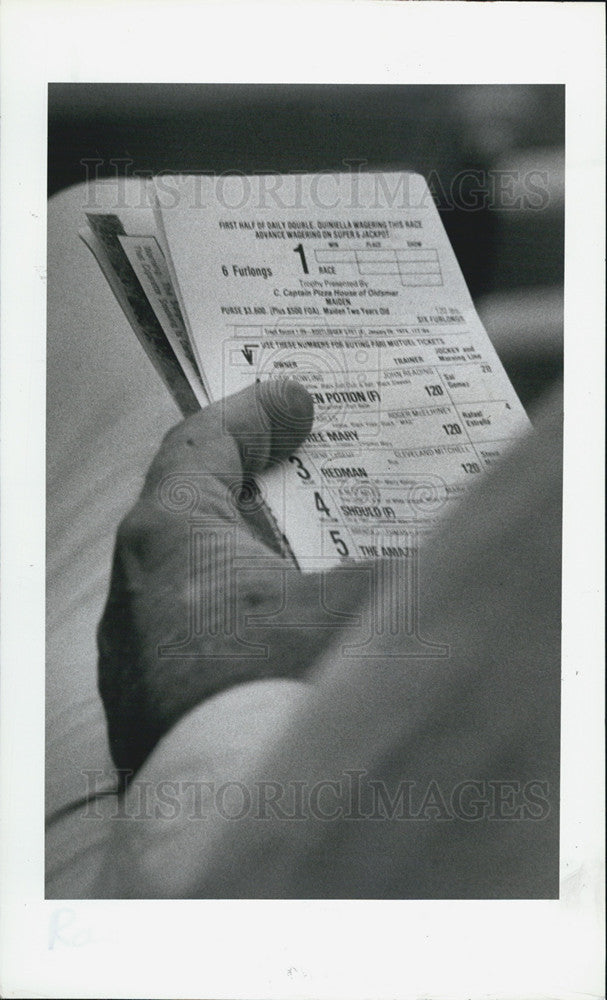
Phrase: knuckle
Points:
(191, 431)
(176, 444)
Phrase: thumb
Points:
(238, 436)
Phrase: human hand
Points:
(483, 718)
(200, 598)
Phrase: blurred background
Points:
(493, 157)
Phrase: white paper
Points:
(470, 948)
(348, 283)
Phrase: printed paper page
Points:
(101, 238)
(348, 283)
(148, 262)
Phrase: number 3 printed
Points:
(300, 468)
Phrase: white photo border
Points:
(292, 949)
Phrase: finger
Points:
(238, 436)
(269, 421)
(283, 418)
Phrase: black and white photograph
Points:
(327, 603)
(310, 440)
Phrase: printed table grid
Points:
(415, 267)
